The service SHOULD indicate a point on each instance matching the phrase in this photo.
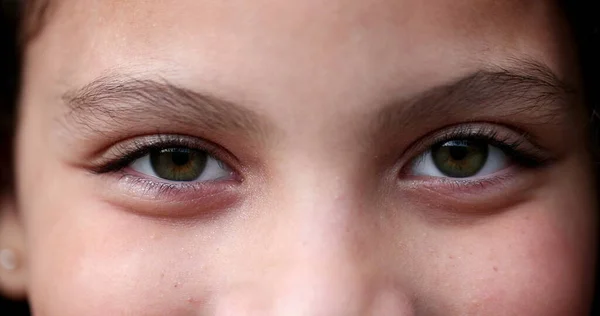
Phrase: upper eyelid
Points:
(513, 142)
(125, 152)
(119, 155)
(485, 130)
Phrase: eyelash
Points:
(123, 156)
(517, 148)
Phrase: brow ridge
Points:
(116, 98)
(530, 88)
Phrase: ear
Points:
(12, 251)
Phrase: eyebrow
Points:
(528, 91)
(122, 101)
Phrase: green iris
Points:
(178, 164)
(460, 158)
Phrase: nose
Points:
(319, 283)
(324, 258)
(339, 289)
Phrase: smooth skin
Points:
(319, 110)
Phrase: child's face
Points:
(388, 157)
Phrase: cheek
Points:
(532, 264)
(106, 261)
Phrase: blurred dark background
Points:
(9, 65)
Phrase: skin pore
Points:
(320, 196)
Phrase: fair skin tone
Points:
(322, 115)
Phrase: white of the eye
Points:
(213, 170)
(425, 165)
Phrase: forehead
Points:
(281, 43)
(461, 14)
(337, 17)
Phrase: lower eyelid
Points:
(165, 187)
(139, 194)
(175, 185)
(484, 194)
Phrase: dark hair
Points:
(584, 19)
(19, 23)
(585, 23)
(9, 79)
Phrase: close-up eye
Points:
(461, 158)
(180, 164)
(476, 151)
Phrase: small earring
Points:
(8, 259)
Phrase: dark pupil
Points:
(458, 152)
(460, 158)
(180, 158)
(178, 164)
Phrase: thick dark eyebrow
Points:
(528, 92)
(122, 101)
